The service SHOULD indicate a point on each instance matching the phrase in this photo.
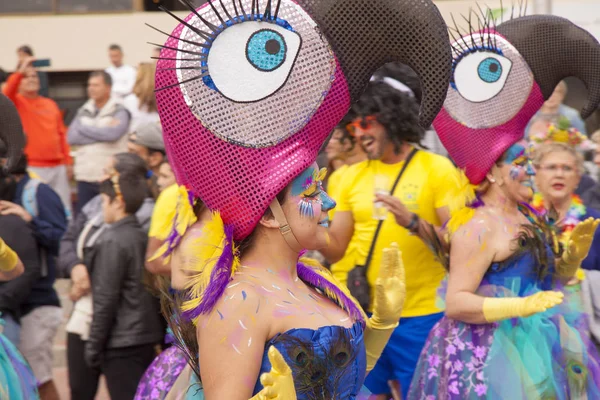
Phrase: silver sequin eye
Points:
(235, 62)
(487, 71)
(250, 61)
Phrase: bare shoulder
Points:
(482, 227)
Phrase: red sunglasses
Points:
(362, 124)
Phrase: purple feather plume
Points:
(219, 278)
(308, 275)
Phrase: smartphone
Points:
(43, 62)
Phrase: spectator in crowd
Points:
(41, 315)
(125, 325)
(19, 236)
(552, 110)
(25, 52)
(123, 75)
(343, 147)
(166, 176)
(47, 150)
(385, 124)
(147, 142)
(99, 132)
(141, 104)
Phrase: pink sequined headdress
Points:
(248, 90)
(501, 77)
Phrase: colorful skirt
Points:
(161, 375)
(17, 381)
(545, 356)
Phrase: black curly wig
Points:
(397, 111)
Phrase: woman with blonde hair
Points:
(141, 103)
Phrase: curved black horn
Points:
(555, 48)
(367, 34)
(11, 131)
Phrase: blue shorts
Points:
(400, 356)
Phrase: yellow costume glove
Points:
(498, 309)
(8, 258)
(390, 292)
(279, 382)
(577, 248)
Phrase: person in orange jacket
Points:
(47, 149)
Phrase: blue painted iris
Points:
(266, 50)
(490, 70)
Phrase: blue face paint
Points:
(514, 152)
(309, 188)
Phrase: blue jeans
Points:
(399, 358)
(85, 192)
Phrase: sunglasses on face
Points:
(363, 124)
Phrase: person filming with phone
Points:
(47, 149)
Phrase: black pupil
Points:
(493, 67)
(272, 46)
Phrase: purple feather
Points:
(533, 210)
(308, 275)
(219, 278)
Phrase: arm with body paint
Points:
(470, 258)
(231, 341)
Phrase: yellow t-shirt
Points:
(333, 185)
(423, 188)
(164, 213)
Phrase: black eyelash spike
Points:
(267, 12)
(210, 2)
(181, 83)
(501, 14)
(277, 9)
(242, 9)
(178, 59)
(462, 37)
(235, 10)
(196, 53)
(189, 5)
(174, 37)
(254, 10)
(202, 34)
(512, 11)
(456, 41)
(226, 12)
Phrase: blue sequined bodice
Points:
(520, 273)
(327, 363)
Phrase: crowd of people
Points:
(458, 236)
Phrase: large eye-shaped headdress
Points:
(501, 77)
(248, 90)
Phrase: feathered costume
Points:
(247, 92)
(501, 77)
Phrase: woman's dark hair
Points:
(398, 112)
(246, 244)
(132, 174)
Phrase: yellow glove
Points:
(279, 382)
(390, 292)
(8, 258)
(577, 248)
(498, 309)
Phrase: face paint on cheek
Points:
(306, 208)
(515, 171)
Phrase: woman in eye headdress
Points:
(507, 333)
(247, 92)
